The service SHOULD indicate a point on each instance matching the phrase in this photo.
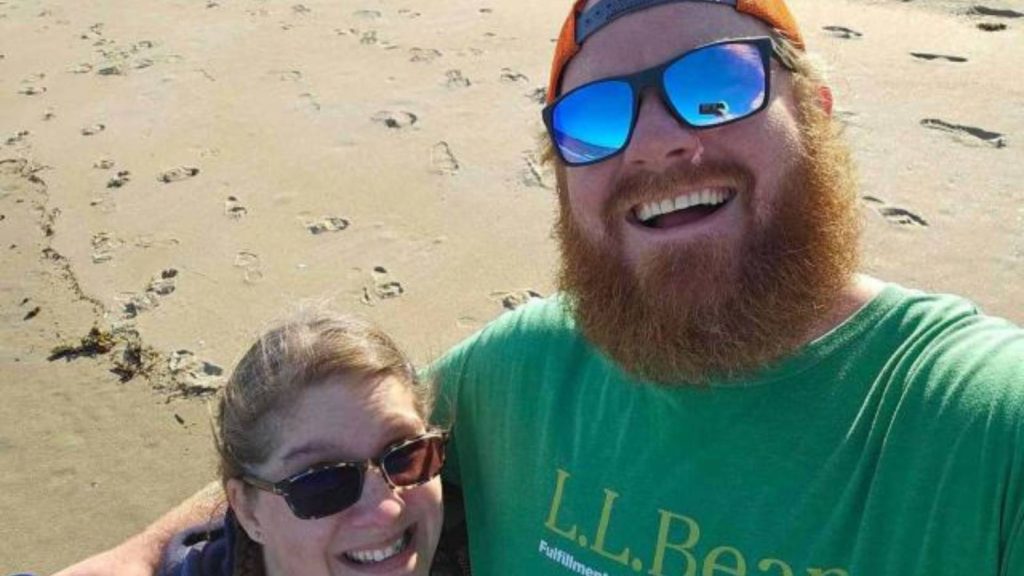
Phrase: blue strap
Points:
(602, 13)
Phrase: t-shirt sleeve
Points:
(1013, 543)
(465, 373)
(980, 363)
(447, 373)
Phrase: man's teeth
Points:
(380, 554)
(705, 197)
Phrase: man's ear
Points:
(244, 505)
(826, 99)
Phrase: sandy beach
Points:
(175, 175)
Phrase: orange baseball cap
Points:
(579, 26)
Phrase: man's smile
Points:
(683, 209)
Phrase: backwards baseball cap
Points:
(580, 25)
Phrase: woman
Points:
(326, 459)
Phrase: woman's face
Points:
(387, 531)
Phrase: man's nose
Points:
(660, 140)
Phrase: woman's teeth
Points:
(705, 197)
(379, 554)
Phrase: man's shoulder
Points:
(949, 326)
(518, 340)
(536, 320)
(955, 348)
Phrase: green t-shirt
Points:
(894, 445)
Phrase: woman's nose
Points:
(379, 504)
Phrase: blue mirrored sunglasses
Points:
(706, 87)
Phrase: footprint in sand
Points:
(17, 138)
(510, 300)
(104, 245)
(367, 14)
(194, 376)
(122, 178)
(395, 120)
(301, 9)
(405, 12)
(509, 75)
(103, 164)
(147, 241)
(968, 135)
(946, 57)
(158, 288)
(80, 69)
(95, 31)
(443, 160)
(32, 90)
(251, 266)
(979, 10)
(234, 209)
(991, 26)
(843, 32)
(327, 224)
(369, 38)
(455, 79)
(424, 55)
(533, 175)
(894, 215)
(286, 75)
(112, 70)
(177, 174)
(93, 129)
(384, 288)
(165, 284)
(310, 100)
(539, 95)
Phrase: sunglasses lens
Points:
(593, 122)
(717, 84)
(325, 492)
(416, 462)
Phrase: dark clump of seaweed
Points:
(128, 354)
(137, 359)
(96, 343)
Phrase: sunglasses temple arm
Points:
(262, 484)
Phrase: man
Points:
(715, 390)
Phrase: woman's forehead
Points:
(348, 420)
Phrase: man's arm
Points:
(140, 555)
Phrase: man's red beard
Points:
(705, 311)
